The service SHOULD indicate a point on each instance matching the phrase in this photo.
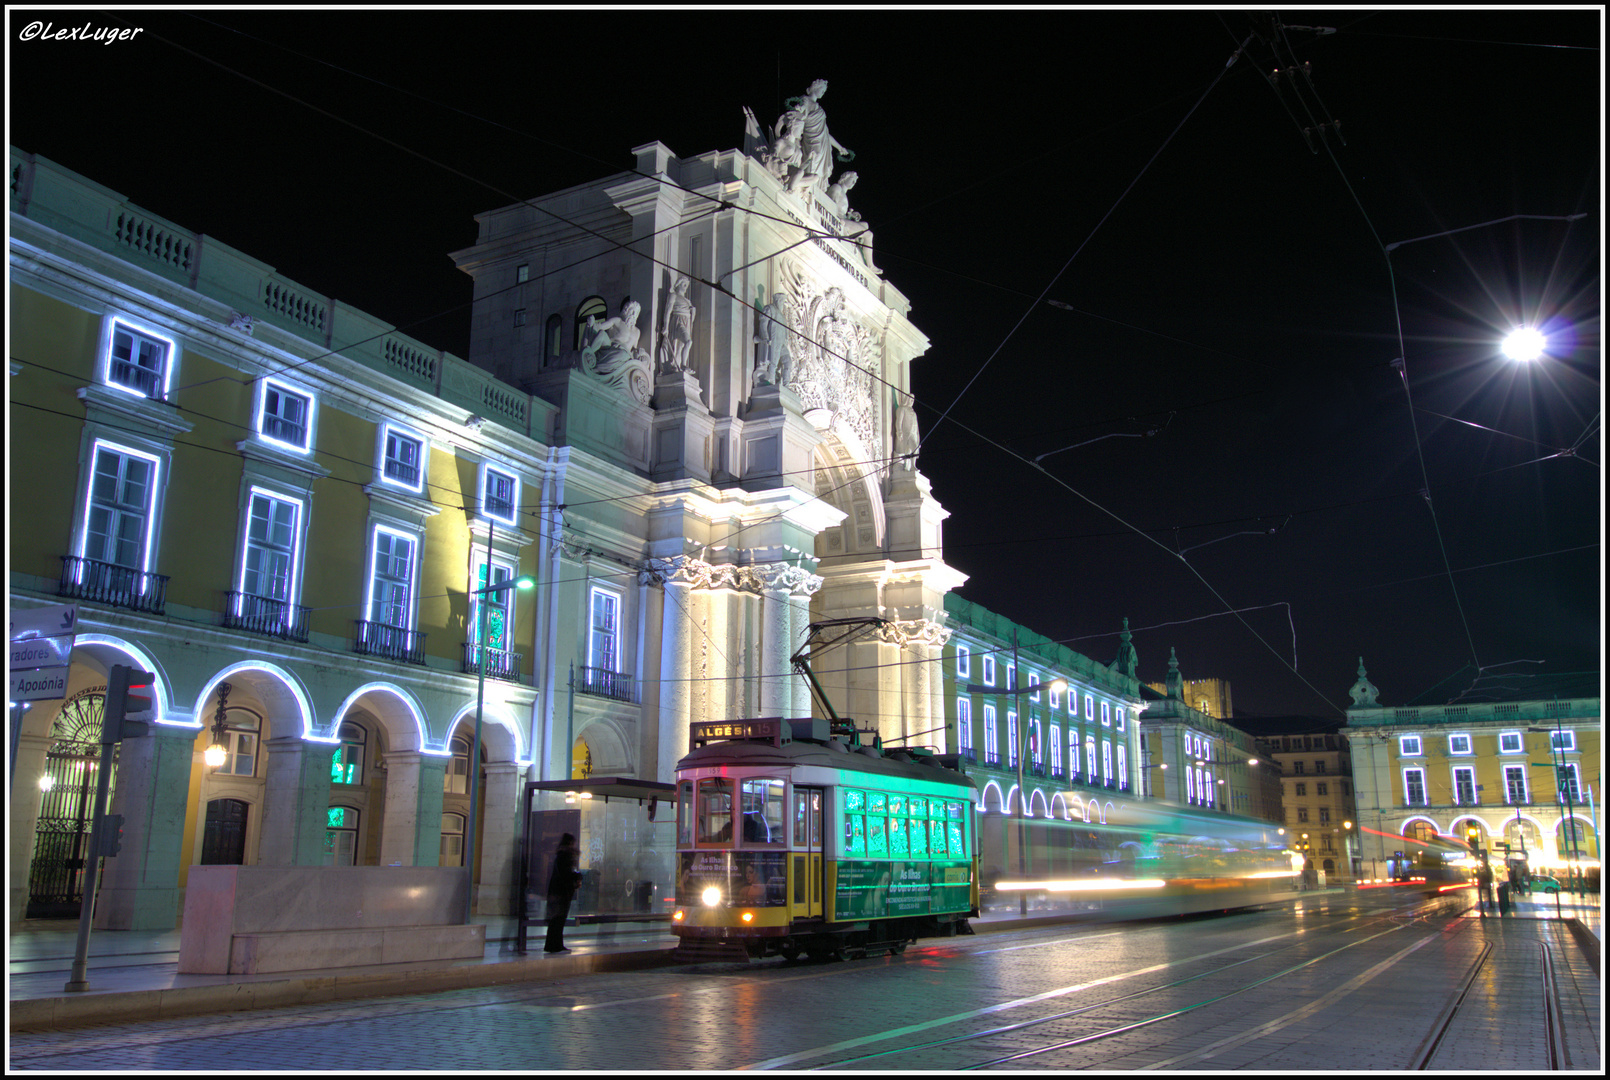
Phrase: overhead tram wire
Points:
(1091, 235)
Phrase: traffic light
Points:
(1473, 837)
(126, 712)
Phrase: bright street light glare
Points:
(1524, 344)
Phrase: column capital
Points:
(904, 632)
(761, 577)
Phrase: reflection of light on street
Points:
(1271, 873)
(1104, 885)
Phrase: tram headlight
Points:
(712, 897)
(748, 916)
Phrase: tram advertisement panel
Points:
(749, 878)
(872, 890)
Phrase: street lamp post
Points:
(1561, 788)
(1022, 739)
(474, 771)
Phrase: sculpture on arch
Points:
(802, 147)
(773, 360)
(613, 354)
(676, 328)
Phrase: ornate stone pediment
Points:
(834, 360)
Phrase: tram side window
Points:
(764, 816)
(684, 814)
(715, 811)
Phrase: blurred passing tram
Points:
(796, 837)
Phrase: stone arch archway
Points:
(847, 479)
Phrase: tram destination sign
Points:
(744, 730)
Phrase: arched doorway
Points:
(67, 808)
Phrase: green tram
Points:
(792, 841)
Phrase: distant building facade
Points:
(1522, 773)
(1195, 758)
(1316, 776)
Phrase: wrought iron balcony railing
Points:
(389, 642)
(106, 583)
(500, 663)
(262, 615)
(606, 683)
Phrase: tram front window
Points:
(715, 811)
(764, 812)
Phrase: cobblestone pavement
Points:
(1336, 984)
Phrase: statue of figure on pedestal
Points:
(838, 192)
(614, 355)
(772, 361)
(905, 432)
(676, 328)
(802, 132)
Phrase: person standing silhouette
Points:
(562, 883)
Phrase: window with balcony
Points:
(1568, 781)
(403, 458)
(285, 416)
(1515, 785)
(603, 640)
(1011, 739)
(1054, 749)
(964, 725)
(270, 568)
(121, 507)
(498, 610)
(992, 748)
(1090, 759)
(139, 361)
(1464, 787)
(391, 585)
(1123, 768)
(500, 494)
(1036, 748)
(1414, 786)
(1106, 762)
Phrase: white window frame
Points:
(1469, 744)
(1408, 793)
(595, 594)
(1011, 675)
(1106, 762)
(1034, 681)
(1054, 749)
(1118, 718)
(1053, 696)
(1466, 772)
(1106, 714)
(1520, 742)
(964, 724)
(375, 577)
(989, 670)
(485, 481)
(1035, 742)
(1090, 708)
(1509, 791)
(501, 572)
(293, 581)
(964, 661)
(387, 430)
(992, 737)
(169, 355)
(1090, 759)
(1404, 742)
(1576, 783)
(1073, 702)
(1123, 766)
(1011, 738)
(1562, 740)
(153, 501)
(278, 388)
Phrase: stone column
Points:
(675, 690)
(719, 660)
(25, 802)
(140, 887)
(500, 839)
(776, 637)
(799, 621)
(296, 802)
(411, 829)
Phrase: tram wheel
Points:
(897, 948)
(788, 951)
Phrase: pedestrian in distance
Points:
(562, 885)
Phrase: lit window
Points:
(1464, 787)
(285, 416)
(1035, 755)
(992, 752)
(452, 850)
(346, 765)
(341, 837)
(1106, 714)
(500, 495)
(455, 779)
(391, 589)
(1123, 767)
(1055, 750)
(1414, 786)
(1073, 702)
(522, 273)
(138, 361)
(1090, 759)
(499, 607)
(1011, 676)
(1106, 762)
(989, 671)
(1509, 742)
(1090, 707)
(1056, 696)
(404, 458)
(1563, 741)
(1566, 779)
(603, 652)
(269, 569)
(964, 661)
(964, 725)
(120, 511)
(1302, 813)
(240, 745)
(1073, 753)
(1118, 718)
(1409, 745)
(1011, 739)
(1034, 681)
(1458, 744)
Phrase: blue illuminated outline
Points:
(262, 415)
(514, 494)
(424, 452)
(150, 506)
(136, 328)
(296, 542)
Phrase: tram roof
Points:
(832, 755)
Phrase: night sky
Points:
(1103, 231)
